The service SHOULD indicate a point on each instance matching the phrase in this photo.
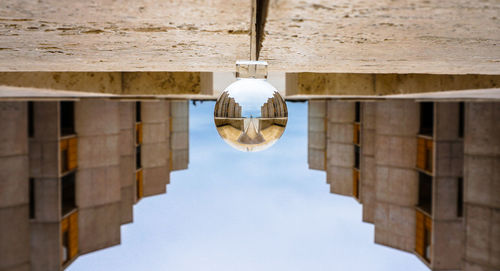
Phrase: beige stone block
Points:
(368, 115)
(316, 125)
(368, 170)
(368, 199)
(334, 83)
(154, 133)
(13, 180)
(367, 142)
(340, 132)
(179, 124)
(339, 154)
(155, 180)
(317, 140)
(98, 151)
(395, 226)
(97, 186)
(47, 199)
(340, 180)
(45, 246)
(97, 117)
(478, 230)
(397, 151)
(179, 141)
(179, 109)
(341, 112)
(316, 108)
(448, 158)
(481, 129)
(444, 200)
(396, 186)
(316, 158)
(15, 237)
(99, 227)
(46, 120)
(180, 159)
(154, 112)
(44, 159)
(127, 142)
(161, 82)
(446, 120)
(448, 245)
(127, 204)
(482, 180)
(21, 267)
(127, 115)
(13, 124)
(154, 155)
(127, 170)
(397, 118)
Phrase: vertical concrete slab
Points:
(98, 185)
(179, 134)
(127, 160)
(482, 186)
(14, 189)
(316, 134)
(340, 147)
(155, 149)
(367, 163)
(396, 184)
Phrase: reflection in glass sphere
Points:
(250, 115)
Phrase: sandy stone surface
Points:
(357, 36)
(123, 35)
(384, 36)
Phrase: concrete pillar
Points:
(179, 134)
(340, 147)
(316, 136)
(98, 186)
(447, 226)
(482, 186)
(45, 170)
(368, 120)
(154, 153)
(127, 160)
(14, 187)
(396, 185)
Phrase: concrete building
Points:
(428, 177)
(72, 171)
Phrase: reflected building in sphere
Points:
(250, 115)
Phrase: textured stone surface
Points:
(383, 36)
(123, 36)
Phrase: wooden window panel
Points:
(138, 133)
(355, 183)
(140, 184)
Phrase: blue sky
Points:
(247, 211)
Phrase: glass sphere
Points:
(250, 115)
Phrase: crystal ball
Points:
(250, 115)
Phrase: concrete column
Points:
(179, 134)
(45, 170)
(127, 160)
(154, 153)
(447, 227)
(316, 136)
(396, 185)
(367, 165)
(340, 147)
(98, 186)
(14, 187)
(482, 186)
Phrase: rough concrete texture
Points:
(14, 136)
(127, 161)
(179, 135)
(14, 240)
(431, 36)
(98, 227)
(98, 185)
(367, 163)
(482, 129)
(448, 245)
(313, 83)
(482, 237)
(45, 246)
(142, 35)
(316, 134)
(47, 198)
(127, 204)
(13, 180)
(395, 226)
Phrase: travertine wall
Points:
(14, 187)
(367, 163)
(98, 186)
(155, 146)
(340, 147)
(316, 134)
(396, 184)
(482, 186)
